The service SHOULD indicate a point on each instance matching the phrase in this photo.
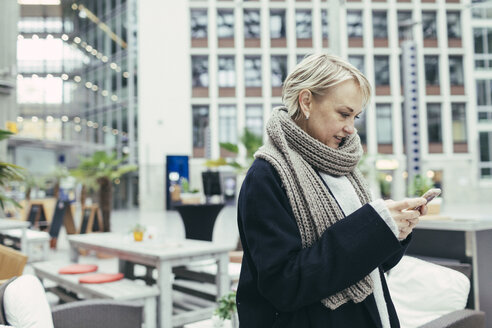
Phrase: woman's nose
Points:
(349, 128)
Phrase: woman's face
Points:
(332, 116)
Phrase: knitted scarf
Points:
(296, 156)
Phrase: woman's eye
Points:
(357, 117)
(345, 114)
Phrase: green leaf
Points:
(233, 148)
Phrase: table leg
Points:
(222, 279)
(24, 241)
(74, 253)
(165, 299)
(149, 312)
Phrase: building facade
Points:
(155, 78)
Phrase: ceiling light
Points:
(76, 119)
(77, 79)
(49, 118)
(88, 85)
(64, 37)
(77, 40)
(64, 118)
(20, 119)
(64, 77)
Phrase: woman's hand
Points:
(405, 214)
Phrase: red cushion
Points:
(99, 278)
(78, 268)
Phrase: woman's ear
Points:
(305, 101)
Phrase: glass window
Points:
(252, 28)
(198, 23)
(458, 111)
(454, 24)
(429, 24)
(483, 96)
(480, 40)
(354, 23)
(456, 70)
(485, 154)
(252, 71)
(279, 70)
(481, 9)
(384, 124)
(200, 124)
(485, 147)
(225, 23)
(277, 24)
(434, 119)
(227, 124)
(254, 119)
(227, 71)
(299, 58)
(324, 23)
(304, 24)
(358, 62)
(431, 70)
(381, 70)
(199, 71)
(404, 24)
(483, 47)
(380, 24)
(39, 90)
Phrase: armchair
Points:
(98, 314)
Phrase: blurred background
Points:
(172, 89)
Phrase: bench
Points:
(38, 242)
(123, 290)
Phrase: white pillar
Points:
(163, 94)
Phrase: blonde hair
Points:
(318, 73)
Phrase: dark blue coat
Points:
(281, 284)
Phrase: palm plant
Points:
(99, 171)
(251, 142)
(8, 173)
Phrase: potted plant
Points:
(100, 171)
(227, 310)
(8, 173)
(187, 195)
(138, 232)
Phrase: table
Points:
(163, 255)
(467, 240)
(199, 219)
(7, 224)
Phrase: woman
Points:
(315, 245)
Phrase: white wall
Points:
(165, 123)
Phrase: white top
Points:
(349, 202)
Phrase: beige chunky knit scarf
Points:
(296, 156)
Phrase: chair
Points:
(12, 262)
(98, 314)
(430, 295)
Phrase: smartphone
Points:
(430, 195)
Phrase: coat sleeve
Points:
(289, 276)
